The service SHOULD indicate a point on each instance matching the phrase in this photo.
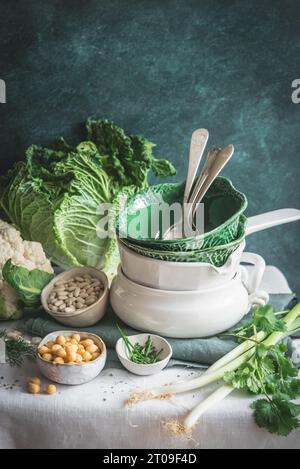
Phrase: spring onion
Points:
(260, 366)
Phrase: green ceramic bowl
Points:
(216, 255)
(223, 208)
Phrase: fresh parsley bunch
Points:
(271, 373)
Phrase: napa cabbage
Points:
(54, 196)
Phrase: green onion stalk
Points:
(229, 363)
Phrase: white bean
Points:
(79, 279)
(90, 300)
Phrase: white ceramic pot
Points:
(182, 276)
(189, 314)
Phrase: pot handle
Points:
(253, 281)
(270, 219)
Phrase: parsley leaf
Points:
(253, 375)
(264, 319)
(276, 415)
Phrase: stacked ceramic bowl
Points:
(140, 225)
(191, 287)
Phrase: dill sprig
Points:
(17, 350)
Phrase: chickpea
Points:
(61, 340)
(95, 355)
(47, 357)
(71, 357)
(56, 348)
(71, 347)
(81, 349)
(79, 358)
(87, 357)
(42, 350)
(74, 342)
(87, 342)
(59, 361)
(33, 388)
(51, 389)
(35, 381)
(92, 348)
(61, 353)
(50, 344)
(76, 337)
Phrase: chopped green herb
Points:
(143, 354)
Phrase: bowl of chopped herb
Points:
(143, 354)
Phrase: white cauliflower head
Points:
(26, 254)
(23, 254)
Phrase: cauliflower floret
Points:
(12, 236)
(34, 254)
(10, 307)
(6, 252)
(26, 254)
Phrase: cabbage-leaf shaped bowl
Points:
(216, 255)
(223, 207)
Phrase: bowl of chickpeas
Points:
(70, 357)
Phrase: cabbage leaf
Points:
(28, 284)
(54, 196)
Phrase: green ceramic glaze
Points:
(223, 207)
(216, 255)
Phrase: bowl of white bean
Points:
(77, 297)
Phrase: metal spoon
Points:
(198, 143)
(204, 173)
(216, 161)
(220, 161)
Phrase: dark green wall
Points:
(163, 68)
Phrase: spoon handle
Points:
(220, 161)
(204, 173)
(198, 144)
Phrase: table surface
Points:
(95, 415)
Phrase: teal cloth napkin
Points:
(198, 353)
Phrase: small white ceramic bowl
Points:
(177, 276)
(84, 317)
(68, 373)
(140, 369)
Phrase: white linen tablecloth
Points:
(94, 415)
